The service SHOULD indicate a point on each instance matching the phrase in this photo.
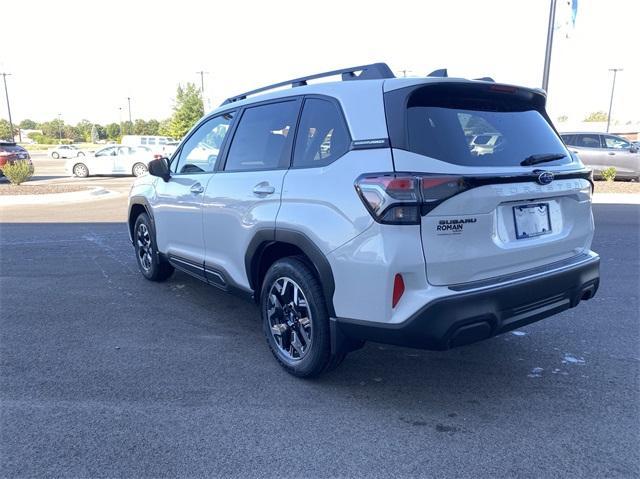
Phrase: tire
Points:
(80, 170)
(55, 155)
(144, 242)
(298, 335)
(80, 154)
(139, 169)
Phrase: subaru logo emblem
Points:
(545, 178)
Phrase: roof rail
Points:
(374, 71)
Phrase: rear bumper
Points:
(480, 313)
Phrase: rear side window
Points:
(263, 137)
(322, 135)
(569, 139)
(588, 141)
(474, 127)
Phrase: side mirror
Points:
(160, 168)
(633, 149)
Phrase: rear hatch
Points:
(500, 193)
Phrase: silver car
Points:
(599, 151)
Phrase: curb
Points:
(616, 198)
(71, 197)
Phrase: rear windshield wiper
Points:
(541, 158)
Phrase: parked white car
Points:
(66, 151)
(112, 160)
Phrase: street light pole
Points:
(6, 92)
(547, 55)
(613, 88)
(130, 124)
(202, 73)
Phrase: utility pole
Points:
(60, 127)
(547, 55)
(130, 124)
(613, 88)
(404, 73)
(6, 92)
(202, 73)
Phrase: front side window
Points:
(588, 141)
(616, 143)
(322, 135)
(106, 151)
(263, 137)
(200, 152)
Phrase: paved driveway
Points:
(104, 374)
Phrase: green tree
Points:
(28, 125)
(113, 131)
(84, 127)
(94, 134)
(5, 130)
(152, 127)
(164, 128)
(597, 116)
(52, 128)
(187, 110)
(562, 118)
(140, 127)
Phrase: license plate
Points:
(532, 220)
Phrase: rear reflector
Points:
(398, 290)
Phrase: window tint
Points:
(143, 141)
(322, 134)
(262, 137)
(106, 151)
(616, 143)
(569, 139)
(588, 141)
(151, 141)
(162, 141)
(200, 152)
(478, 129)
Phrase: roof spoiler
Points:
(374, 71)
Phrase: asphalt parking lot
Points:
(104, 374)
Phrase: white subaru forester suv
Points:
(363, 210)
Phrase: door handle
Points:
(263, 188)
(196, 188)
(611, 153)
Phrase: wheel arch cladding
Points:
(268, 246)
(138, 205)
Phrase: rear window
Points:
(478, 127)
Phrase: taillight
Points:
(398, 198)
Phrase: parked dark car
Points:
(10, 152)
(599, 151)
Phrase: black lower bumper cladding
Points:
(472, 316)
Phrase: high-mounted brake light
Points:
(398, 198)
(503, 88)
